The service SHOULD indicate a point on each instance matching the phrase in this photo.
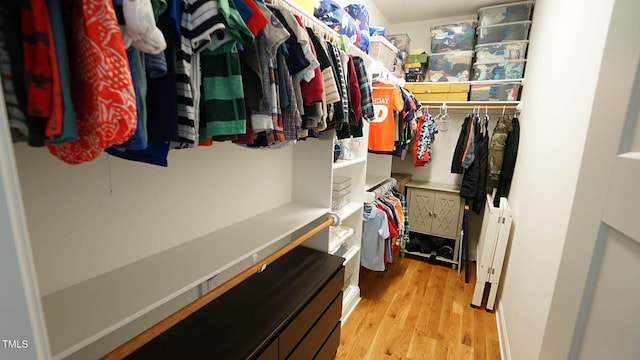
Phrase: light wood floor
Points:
(415, 310)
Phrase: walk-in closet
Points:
(328, 179)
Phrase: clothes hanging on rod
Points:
(385, 228)
(508, 163)
(424, 138)
(387, 102)
(241, 71)
(480, 164)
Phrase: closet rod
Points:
(472, 107)
(373, 194)
(156, 330)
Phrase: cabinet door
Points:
(446, 212)
(421, 210)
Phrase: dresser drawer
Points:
(313, 341)
(271, 352)
(297, 329)
(330, 347)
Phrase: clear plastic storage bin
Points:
(337, 203)
(341, 192)
(453, 37)
(451, 66)
(505, 13)
(341, 182)
(504, 32)
(401, 41)
(501, 52)
(495, 92)
(513, 69)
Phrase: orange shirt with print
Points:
(386, 100)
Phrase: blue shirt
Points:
(375, 229)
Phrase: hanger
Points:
(444, 118)
(504, 108)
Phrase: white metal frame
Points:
(492, 245)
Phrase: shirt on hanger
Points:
(10, 77)
(386, 100)
(199, 22)
(375, 229)
(106, 100)
(69, 131)
(267, 43)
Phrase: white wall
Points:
(567, 42)
(89, 219)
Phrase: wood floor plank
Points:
(415, 310)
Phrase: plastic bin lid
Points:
(340, 179)
(502, 43)
(383, 40)
(528, 22)
(514, 61)
(461, 53)
(507, 4)
(472, 22)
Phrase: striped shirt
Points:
(342, 107)
(17, 119)
(200, 20)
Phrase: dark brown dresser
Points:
(291, 310)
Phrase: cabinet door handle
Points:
(430, 213)
(435, 215)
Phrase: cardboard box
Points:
(417, 58)
(440, 88)
(403, 180)
(414, 65)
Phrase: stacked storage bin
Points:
(383, 50)
(452, 52)
(501, 51)
(402, 42)
(415, 68)
(341, 190)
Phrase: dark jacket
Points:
(508, 163)
(456, 162)
(474, 180)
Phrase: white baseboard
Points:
(503, 339)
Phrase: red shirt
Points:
(104, 99)
(312, 91)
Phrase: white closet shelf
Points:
(351, 254)
(344, 163)
(472, 82)
(373, 181)
(472, 103)
(80, 314)
(350, 209)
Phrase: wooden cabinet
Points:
(291, 310)
(436, 209)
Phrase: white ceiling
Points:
(400, 11)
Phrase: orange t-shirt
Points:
(386, 100)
